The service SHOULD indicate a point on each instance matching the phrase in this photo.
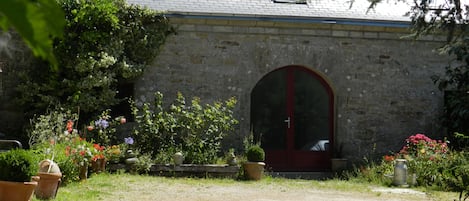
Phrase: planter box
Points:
(189, 170)
(186, 170)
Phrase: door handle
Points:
(287, 121)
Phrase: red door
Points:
(292, 116)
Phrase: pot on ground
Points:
(16, 191)
(254, 170)
(338, 164)
(48, 185)
(49, 180)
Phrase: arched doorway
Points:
(292, 114)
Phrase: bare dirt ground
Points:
(274, 191)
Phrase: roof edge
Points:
(295, 19)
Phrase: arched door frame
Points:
(326, 84)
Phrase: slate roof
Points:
(387, 11)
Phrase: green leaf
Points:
(37, 22)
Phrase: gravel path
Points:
(199, 190)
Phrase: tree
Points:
(38, 22)
(106, 42)
(449, 17)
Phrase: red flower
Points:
(70, 126)
(388, 158)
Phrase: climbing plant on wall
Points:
(106, 42)
(449, 17)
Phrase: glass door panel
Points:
(268, 110)
(311, 113)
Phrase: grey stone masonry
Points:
(381, 81)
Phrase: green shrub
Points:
(67, 166)
(194, 129)
(18, 165)
(456, 174)
(255, 154)
(105, 43)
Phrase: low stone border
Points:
(186, 170)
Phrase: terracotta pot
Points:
(254, 170)
(16, 191)
(83, 172)
(48, 185)
(99, 165)
(338, 164)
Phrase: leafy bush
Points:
(456, 174)
(255, 154)
(54, 126)
(18, 165)
(426, 158)
(105, 43)
(66, 164)
(195, 130)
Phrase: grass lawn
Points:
(137, 187)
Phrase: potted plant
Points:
(49, 180)
(17, 167)
(254, 167)
(338, 162)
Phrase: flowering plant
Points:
(98, 152)
(421, 146)
(113, 153)
(80, 151)
(103, 129)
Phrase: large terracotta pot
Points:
(16, 191)
(48, 185)
(254, 170)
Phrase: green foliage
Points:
(36, 21)
(106, 42)
(143, 164)
(103, 129)
(18, 165)
(456, 174)
(373, 172)
(431, 161)
(255, 154)
(65, 162)
(450, 18)
(195, 130)
(51, 126)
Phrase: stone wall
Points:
(13, 56)
(382, 82)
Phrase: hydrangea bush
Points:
(425, 158)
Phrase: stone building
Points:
(312, 78)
